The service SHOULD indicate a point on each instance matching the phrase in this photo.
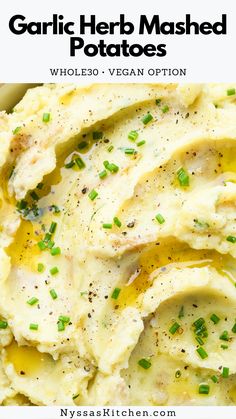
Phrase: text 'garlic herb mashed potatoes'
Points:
(118, 246)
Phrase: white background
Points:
(185, 412)
(27, 58)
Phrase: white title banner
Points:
(124, 41)
(178, 412)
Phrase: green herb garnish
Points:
(147, 118)
(133, 135)
(117, 222)
(173, 329)
(54, 270)
(32, 301)
(231, 92)
(33, 326)
(214, 318)
(46, 117)
(160, 218)
(204, 389)
(115, 294)
(183, 177)
(144, 363)
(93, 194)
(231, 239)
(201, 351)
(53, 294)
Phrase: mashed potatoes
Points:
(118, 246)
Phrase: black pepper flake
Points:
(84, 190)
(131, 224)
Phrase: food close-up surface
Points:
(118, 245)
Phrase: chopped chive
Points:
(214, 378)
(129, 151)
(231, 92)
(133, 135)
(214, 318)
(158, 101)
(199, 322)
(33, 326)
(32, 301)
(60, 326)
(22, 204)
(47, 237)
(64, 319)
(42, 245)
(55, 251)
(224, 335)
(173, 329)
(201, 351)
(110, 148)
(55, 209)
(141, 143)
(97, 135)
(41, 267)
(102, 174)
(165, 108)
(181, 312)
(53, 294)
(34, 196)
(225, 372)
(70, 164)
(82, 145)
(80, 163)
(106, 164)
(16, 130)
(112, 167)
(54, 270)
(231, 239)
(106, 225)
(199, 340)
(93, 194)
(234, 328)
(201, 332)
(115, 294)
(117, 222)
(183, 177)
(50, 244)
(46, 117)
(224, 346)
(160, 218)
(178, 374)
(53, 227)
(204, 389)
(144, 363)
(147, 118)
(3, 324)
(40, 185)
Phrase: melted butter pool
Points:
(167, 253)
(27, 360)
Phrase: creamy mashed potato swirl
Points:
(118, 246)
